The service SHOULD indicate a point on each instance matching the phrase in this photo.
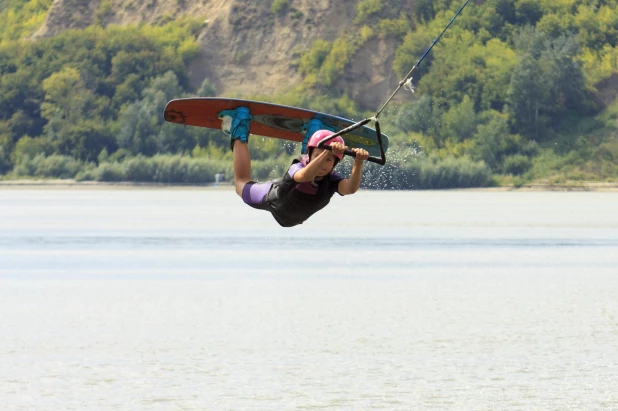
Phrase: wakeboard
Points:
(270, 120)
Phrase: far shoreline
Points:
(73, 184)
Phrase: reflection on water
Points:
(187, 299)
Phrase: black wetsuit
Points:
(289, 202)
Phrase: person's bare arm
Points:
(311, 170)
(352, 184)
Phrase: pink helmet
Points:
(321, 135)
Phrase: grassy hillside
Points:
(517, 91)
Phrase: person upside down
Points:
(308, 184)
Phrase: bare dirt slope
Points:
(245, 48)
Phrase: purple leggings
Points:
(253, 193)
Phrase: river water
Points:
(186, 299)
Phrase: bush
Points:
(54, 166)
(312, 60)
(394, 28)
(109, 172)
(31, 147)
(160, 169)
(516, 164)
(453, 172)
(278, 6)
(367, 8)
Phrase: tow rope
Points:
(405, 83)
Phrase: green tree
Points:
(459, 123)
(66, 96)
(420, 116)
(528, 11)
(141, 126)
(21, 18)
(71, 110)
(489, 141)
(527, 94)
(85, 140)
(547, 84)
(424, 10)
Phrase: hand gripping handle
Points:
(378, 160)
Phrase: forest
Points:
(516, 92)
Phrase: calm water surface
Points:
(186, 299)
